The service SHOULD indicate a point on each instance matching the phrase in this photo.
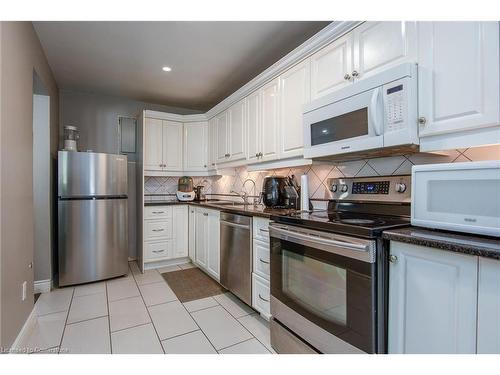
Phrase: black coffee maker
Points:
(279, 192)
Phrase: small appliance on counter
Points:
(71, 135)
(185, 190)
(462, 197)
(280, 192)
(199, 195)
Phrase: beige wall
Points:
(21, 54)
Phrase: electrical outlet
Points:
(25, 287)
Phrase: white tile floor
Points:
(139, 313)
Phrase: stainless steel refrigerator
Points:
(92, 217)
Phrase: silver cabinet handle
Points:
(264, 230)
(158, 230)
(422, 120)
(257, 155)
(158, 212)
(263, 299)
(393, 258)
(227, 155)
(347, 77)
(158, 251)
(213, 163)
(355, 73)
(261, 154)
(205, 213)
(263, 261)
(205, 166)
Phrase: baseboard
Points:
(42, 286)
(17, 345)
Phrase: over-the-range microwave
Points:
(463, 197)
(372, 114)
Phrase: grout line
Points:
(163, 303)
(124, 329)
(245, 327)
(109, 320)
(238, 343)
(85, 320)
(181, 334)
(66, 322)
(150, 318)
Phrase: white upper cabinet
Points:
(212, 143)
(331, 67)
(222, 137)
(294, 93)
(458, 76)
(237, 131)
(153, 144)
(270, 120)
(432, 300)
(162, 145)
(488, 323)
(195, 146)
(253, 127)
(172, 146)
(379, 45)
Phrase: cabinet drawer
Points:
(261, 295)
(261, 229)
(157, 229)
(261, 258)
(157, 250)
(157, 212)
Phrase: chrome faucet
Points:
(255, 200)
(243, 195)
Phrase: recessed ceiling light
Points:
(166, 69)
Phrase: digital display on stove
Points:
(372, 187)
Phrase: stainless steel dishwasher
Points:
(236, 255)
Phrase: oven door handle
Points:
(359, 251)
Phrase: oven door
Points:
(323, 288)
(355, 123)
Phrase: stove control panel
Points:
(386, 189)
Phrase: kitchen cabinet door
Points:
(192, 234)
(180, 231)
(213, 241)
(254, 129)
(379, 45)
(153, 144)
(329, 67)
(294, 93)
(172, 146)
(432, 300)
(195, 146)
(458, 76)
(270, 120)
(488, 324)
(201, 230)
(222, 137)
(212, 143)
(237, 131)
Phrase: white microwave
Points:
(374, 113)
(463, 197)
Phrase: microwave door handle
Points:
(374, 115)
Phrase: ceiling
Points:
(209, 60)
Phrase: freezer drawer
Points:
(93, 240)
(85, 174)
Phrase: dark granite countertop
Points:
(250, 210)
(458, 242)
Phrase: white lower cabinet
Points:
(192, 234)
(261, 294)
(207, 240)
(261, 291)
(164, 237)
(432, 300)
(488, 323)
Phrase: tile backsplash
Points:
(243, 180)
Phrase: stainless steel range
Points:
(328, 268)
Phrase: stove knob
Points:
(333, 188)
(400, 187)
(343, 188)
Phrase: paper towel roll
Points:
(304, 192)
